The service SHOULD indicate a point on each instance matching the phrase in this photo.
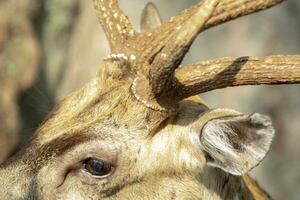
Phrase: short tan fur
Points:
(135, 131)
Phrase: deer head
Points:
(136, 132)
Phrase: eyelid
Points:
(101, 150)
(84, 171)
(111, 165)
(72, 160)
(90, 179)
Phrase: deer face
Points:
(134, 132)
(88, 149)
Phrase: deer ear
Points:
(237, 144)
(150, 18)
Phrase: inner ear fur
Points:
(237, 143)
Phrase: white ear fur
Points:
(237, 144)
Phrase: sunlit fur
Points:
(167, 165)
(155, 143)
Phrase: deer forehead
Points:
(172, 145)
(81, 110)
(107, 97)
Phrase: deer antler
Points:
(225, 11)
(117, 27)
(122, 36)
(171, 54)
(150, 18)
(227, 72)
(232, 9)
(157, 53)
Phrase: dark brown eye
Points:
(98, 168)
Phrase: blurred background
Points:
(49, 48)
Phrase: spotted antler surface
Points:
(227, 72)
(116, 25)
(155, 54)
(232, 9)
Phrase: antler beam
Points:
(168, 43)
(227, 72)
(157, 53)
(169, 57)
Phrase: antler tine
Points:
(160, 37)
(231, 9)
(170, 56)
(227, 72)
(226, 10)
(116, 25)
(150, 18)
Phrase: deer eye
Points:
(98, 168)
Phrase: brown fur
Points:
(161, 146)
